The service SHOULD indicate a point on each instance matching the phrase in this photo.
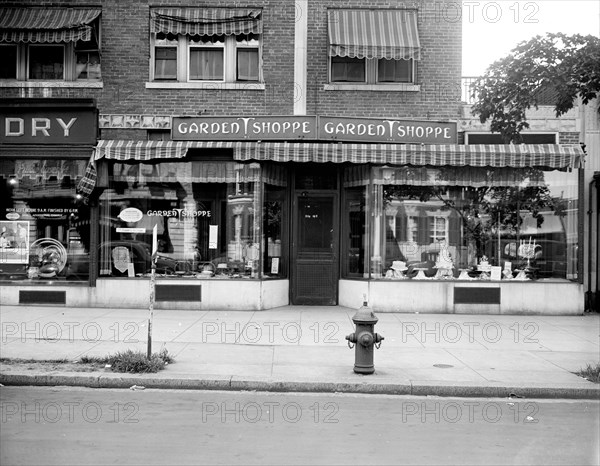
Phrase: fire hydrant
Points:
(364, 339)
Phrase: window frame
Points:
(241, 46)
(372, 74)
(17, 58)
(70, 75)
(192, 45)
(185, 44)
(411, 69)
(176, 46)
(28, 61)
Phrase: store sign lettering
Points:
(178, 213)
(387, 131)
(313, 127)
(68, 124)
(37, 127)
(240, 128)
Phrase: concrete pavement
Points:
(301, 348)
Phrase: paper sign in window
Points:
(213, 232)
(275, 265)
(121, 260)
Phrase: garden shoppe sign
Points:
(265, 128)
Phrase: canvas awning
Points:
(551, 156)
(206, 21)
(545, 156)
(390, 34)
(46, 25)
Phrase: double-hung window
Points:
(50, 44)
(373, 46)
(206, 44)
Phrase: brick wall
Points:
(125, 66)
(568, 138)
(438, 73)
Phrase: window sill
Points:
(69, 84)
(400, 87)
(208, 85)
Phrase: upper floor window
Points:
(50, 44)
(206, 44)
(373, 46)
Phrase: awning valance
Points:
(46, 25)
(206, 21)
(390, 34)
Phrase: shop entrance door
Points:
(314, 271)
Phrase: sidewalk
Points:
(301, 348)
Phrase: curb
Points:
(441, 389)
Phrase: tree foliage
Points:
(564, 66)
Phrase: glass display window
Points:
(44, 224)
(208, 217)
(275, 221)
(474, 223)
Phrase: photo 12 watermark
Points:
(524, 12)
(91, 332)
(470, 412)
(469, 332)
(270, 412)
(270, 332)
(69, 412)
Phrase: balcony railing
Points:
(466, 89)
(545, 96)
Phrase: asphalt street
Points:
(81, 426)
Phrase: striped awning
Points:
(150, 150)
(206, 21)
(545, 156)
(551, 156)
(390, 34)
(47, 25)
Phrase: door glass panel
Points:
(316, 225)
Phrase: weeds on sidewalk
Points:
(591, 373)
(125, 361)
(132, 361)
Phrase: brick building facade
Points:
(300, 152)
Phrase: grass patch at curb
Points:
(591, 373)
(125, 361)
(132, 361)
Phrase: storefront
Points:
(45, 146)
(260, 212)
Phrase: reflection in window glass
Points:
(206, 64)
(247, 65)
(274, 208)
(165, 63)
(206, 214)
(517, 219)
(355, 225)
(347, 69)
(45, 227)
(46, 61)
(399, 71)
(8, 58)
(88, 65)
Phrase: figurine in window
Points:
(397, 270)
(81, 67)
(94, 67)
(3, 239)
